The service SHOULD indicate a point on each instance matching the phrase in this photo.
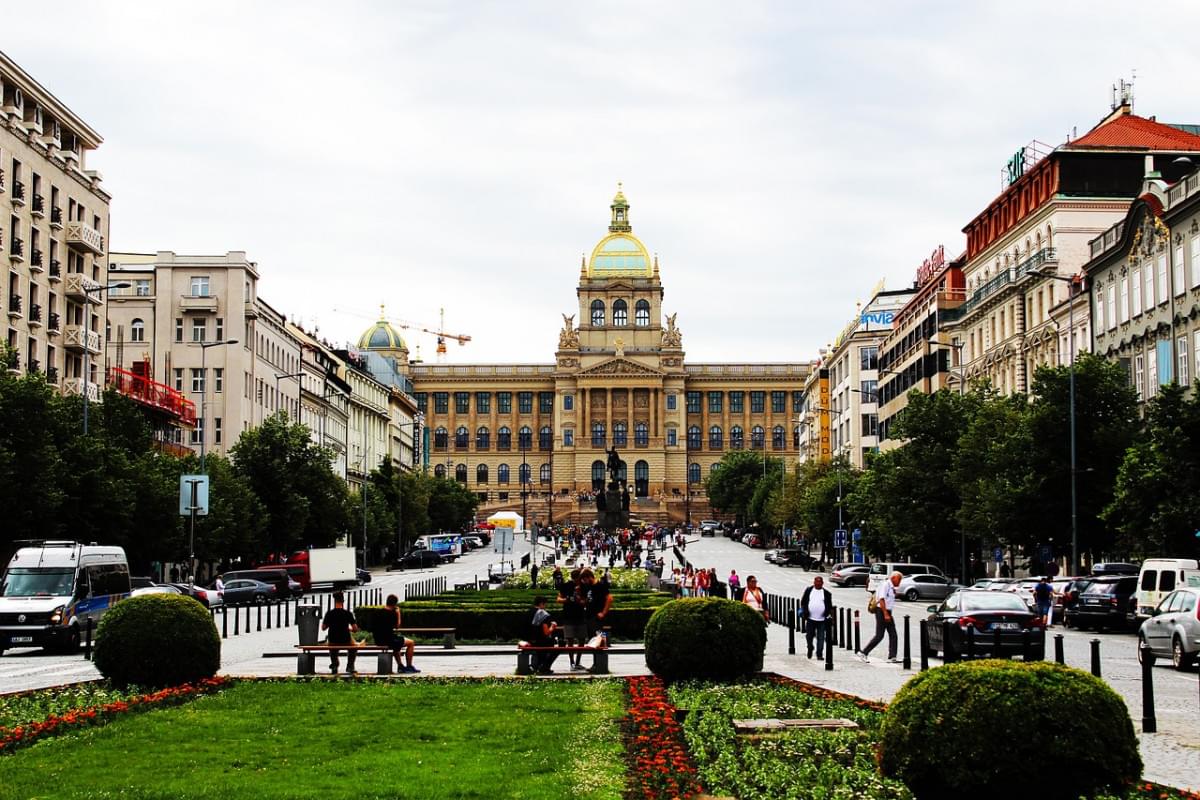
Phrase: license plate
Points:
(1005, 626)
(21, 639)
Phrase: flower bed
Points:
(25, 718)
(659, 764)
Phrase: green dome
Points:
(381, 336)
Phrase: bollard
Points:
(829, 643)
(1149, 723)
(857, 634)
(87, 642)
(1096, 657)
(287, 614)
(224, 622)
(259, 618)
(847, 634)
(948, 654)
(924, 644)
(792, 633)
(279, 614)
(276, 605)
(237, 621)
(1058, 648)
(970, 642)
(907, 651)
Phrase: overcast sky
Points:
(781, 158)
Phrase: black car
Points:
(1107, 603)
(420, 559)
(361, 576)
(1115, 568)
(986, 613)
(793, 557)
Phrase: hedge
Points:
(705, 637)
(157, 640)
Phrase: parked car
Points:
(709, 527)
(1070, 595)
(248, 590)
(982, 583)
(881, 570)
(421, 559)
(285, 585)
(849, 574)
(1173, 630)
(793, 557)
(157, 588)
(1114, 568)
(475, 542)
(925, 587)
(1105, 603)
(362, 576)
(1160, 576)
(140, 581)
(753, 540)
(987, 613)
(198, 593)
(1024, 590)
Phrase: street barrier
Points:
(948, 654)
(1096, 657)
(1058, 648)
(907, 650)
(87, 642)
(1149, 722)
(829, 643)
(792, 632)
(924, 644)
(857, 633)
(224, 622)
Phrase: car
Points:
(157, 588)
(1173, 629)
(474, 541)
(925, 587)
(753, 540)
(709, 527)
(1115, 568)
(989, 614)
(794, 557)
(1024, 589)
(197, 593)
(1106, 603)
(249, 590)
(285, 585)
(982, 583)
(1070, 596)
(361, 576)
(140, 581)
(420, 559)
(849, 574)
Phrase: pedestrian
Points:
(735, 585)
(753, 597)
(533, 571)
(557, 578)
(573, 597)
(341, 624)
(702, 583)
(542, 634)
(387, 636)
(219, 585)
(885, 604)
(1004, 573)
(816, 607)
(1043, 599)
(599, 601)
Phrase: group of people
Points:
(340, 626)
(586, 602)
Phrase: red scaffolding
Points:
(156, 395)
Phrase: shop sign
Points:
(931, 266)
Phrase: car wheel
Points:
(1141, 648)
(1179, 657)
(912, 595)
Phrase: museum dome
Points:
(381, 336)
(620, 254)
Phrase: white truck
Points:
(333, 565)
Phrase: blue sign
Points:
(877, 317)
(1047, 553)
(839, 538)
(856, 534)
(998, 555)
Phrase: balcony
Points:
(56, 218)
(35, 314)
(152, 394)
(18, 193)
(55, 270)
(205, 303)
(35, 367)
(38, 209)
(52, 376)
(84, 237)
(1039, 262)
(75, 387)
(12, 362)
(77, 339)
(36, 261)
(16, 250)
(14, 305)
(54, 323)
(82, 288)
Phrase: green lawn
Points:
(423, 739)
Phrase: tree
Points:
(731, 487)
(451, 505)
(236, 524)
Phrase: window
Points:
(1139, 376)
(483, 402)
(672, 402)
(544, 438)
(737, 437)
(568, 437)
(440, 439)
(868, 357)
(504, 438)
(641, 434)
(1181, 347)
(1123, 309)
(178, 379)
(1137, 292)
(693, 402)
(568, 402)
(462, 402)
(598, 434)
(441, 402)
(1161, 296)
(217, 430)
(778, 402)
(1177, 272)
(198, 431)
(870, 425)
(597, 475)
(798, 401)
(481, 473)
(641, 314)
(439, 471)
(869, 391)
(502, 473)
(672, 437)
(1195, 261)
(758, 402)
(525, 438)
(715, 401)
(545, 402)
(504, 402)
(525, 402)
(758, 438)
(620, 434)
(1148, 294)
(524, 473)
(199, 328)
(778, 438)
(141, 287)
(179, 329)
(737, 401)
(1110, 310)
(218, 380)
(462, 438)
(137, 331)
(483, 439)
(1152, 374)
(715, 438)
(544, 474)
(597, 313)
(219, 324)
(460, 473)
(199, 286)
(620, 313)
(1196, 353)
(198, 381)
(693, 438)
(693, 473)
(422, 402)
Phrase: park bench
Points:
(525, 649)
(447, 634)
(306, 660)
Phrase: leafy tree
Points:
(451, 505)
(31, 466)
(731, 487)
(817, 501)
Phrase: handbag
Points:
(872, 604)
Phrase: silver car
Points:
(1173, 630)
(925, 587)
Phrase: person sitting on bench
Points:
(340, 624)
(544, 633)
(386, 636)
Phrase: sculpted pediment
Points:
(619, 366)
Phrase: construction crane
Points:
(441, 333)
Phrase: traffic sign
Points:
(839, 538)
(193, 494)
(998, 555)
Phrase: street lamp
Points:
(281, 376)
(87, 328)
(204, 394)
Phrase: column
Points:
(608, 404)
(585, 420)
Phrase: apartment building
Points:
(54, 227)
(324, 397)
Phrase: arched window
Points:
(440, 439)
(778, 438)
(525, 437)
(598, 437)
(641, 314)
(620, 313)
(504, 438)
(481, 474)
(439, 471)
(460, 473)
(693, 439)
(597, 313)
(597, 476)
(544, 438)
(502, 473)
(461, 438)
(714, 437)
(620, 434)
(544, 474)
(524, 472)
(641, 434)
(641, 479)
(483, 439)
(693, 473)
(758, 438)
(713, 467)
(737, 437)
(796, 437)
(137, 331)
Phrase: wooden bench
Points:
(525, 649)
(306, 660)
(447, 634)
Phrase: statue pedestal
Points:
(615, 515)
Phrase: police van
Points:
(52, 588)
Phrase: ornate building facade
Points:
(620, 379)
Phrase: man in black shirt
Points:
(573, 597)
(599, 601)
(340, 624)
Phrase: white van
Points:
(880, 571)
(51, 589)
(1159, 577)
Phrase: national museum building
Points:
(619, 378)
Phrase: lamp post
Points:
(204, 395)
(87, 328)
(1072, 282)
(279, 377)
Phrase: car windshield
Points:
(992, 602)
(33, 582)
(1105, 587)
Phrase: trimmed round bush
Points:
(157, 640)
(705, 637)
(979, 729)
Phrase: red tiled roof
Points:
(1139, 132)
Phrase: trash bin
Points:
(308, 621)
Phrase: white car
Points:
(155, 589)
(925, 587)
(474, 541)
